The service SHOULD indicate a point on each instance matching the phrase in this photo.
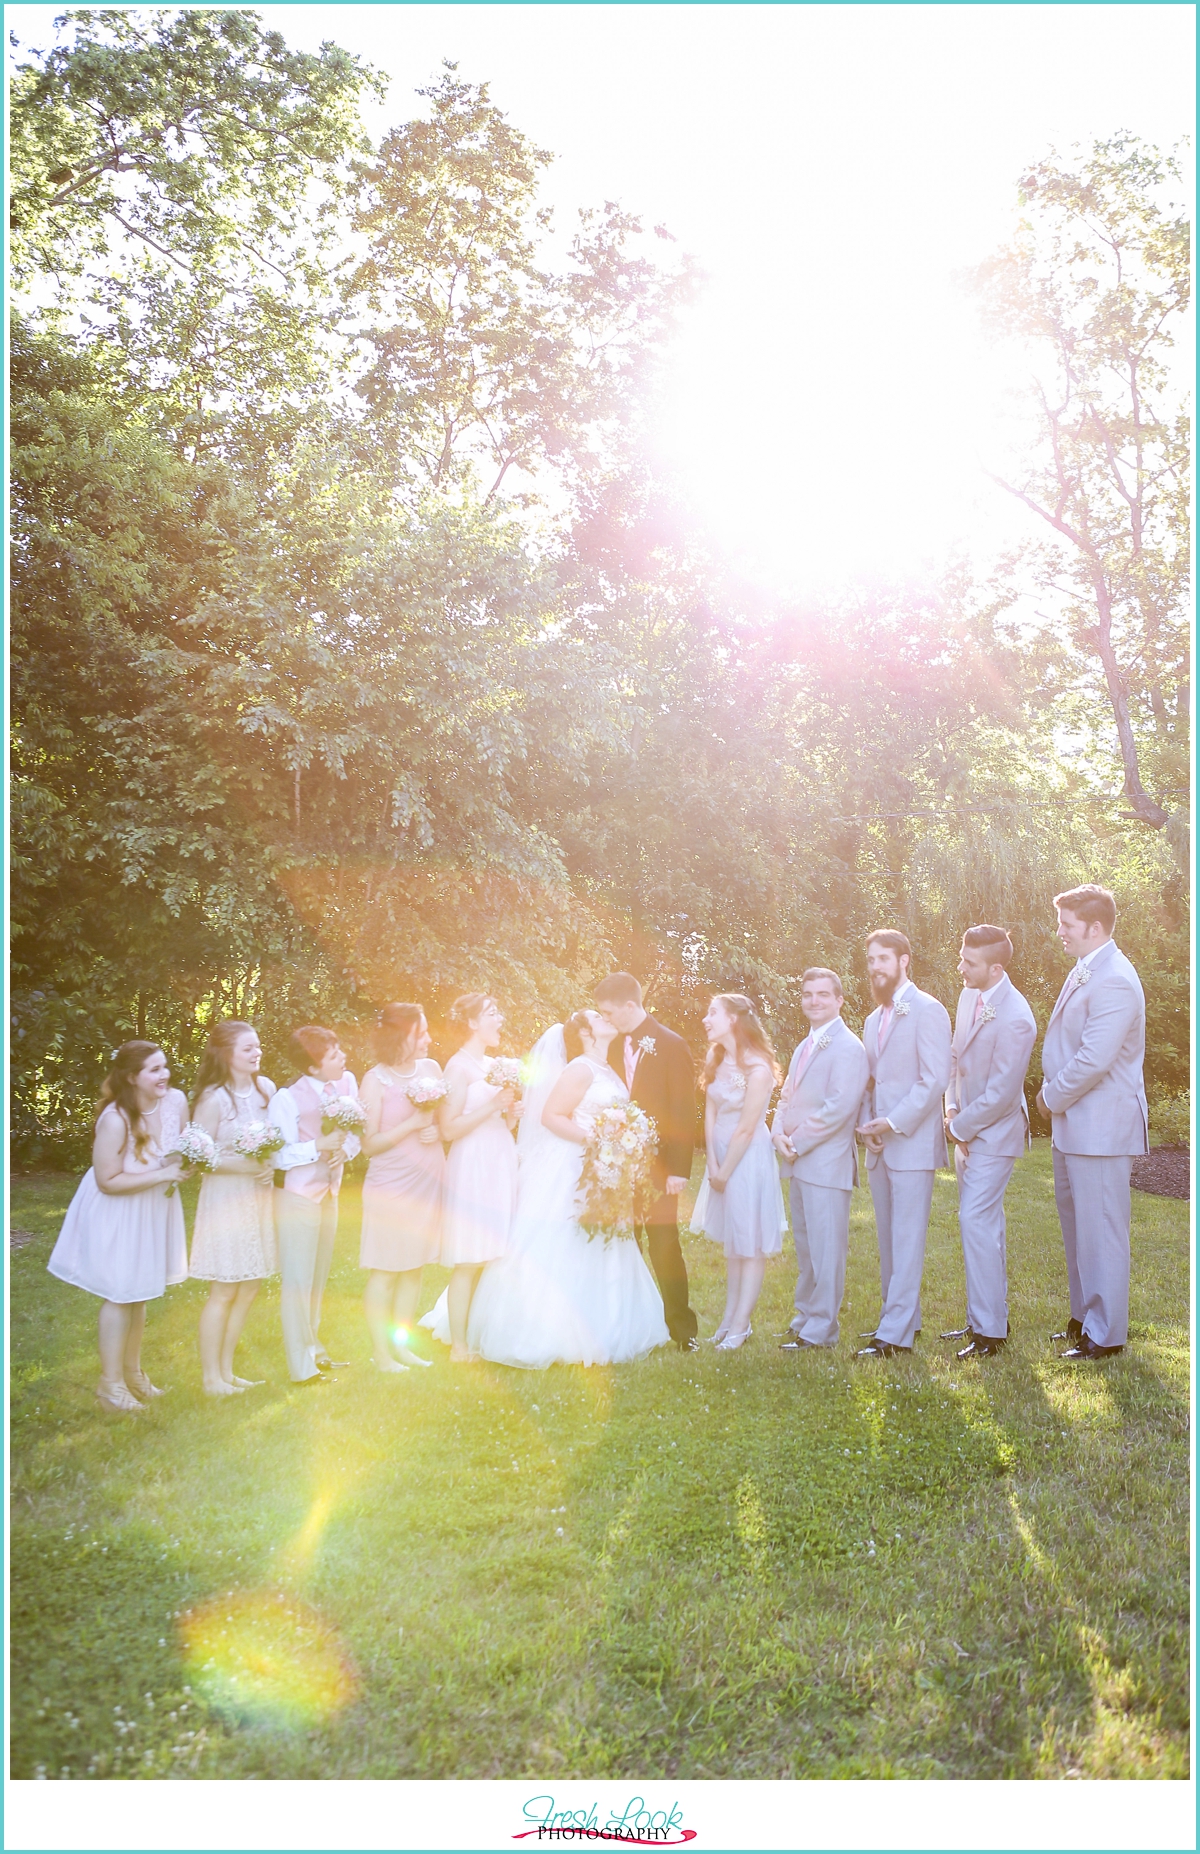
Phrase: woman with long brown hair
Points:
(233, 1243)
(742, 1206)
(123, 1238)
(477, 1121)
(402, 1191)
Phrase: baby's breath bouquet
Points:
(616, 1168)
(259, 1142)
(343, 1115)
(426, 1090)
(196, 1148)
(505, 1072)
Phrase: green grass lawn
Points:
(703, 1566)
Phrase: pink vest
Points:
(314, 1181)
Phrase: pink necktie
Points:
(630, 1063)
(885, 1025)
(805, 1059)
(978, 1009)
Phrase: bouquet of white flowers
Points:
(426, 1090)
(616, 1168)
(505, 1072)
(343, 1115)
(197, 1150)
(260, 1142)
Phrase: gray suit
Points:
(908, 1081)
(1092, 1083)
(818, 1114)
(985, 1105)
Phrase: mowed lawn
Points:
(703, 1566)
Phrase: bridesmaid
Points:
(402, 1192)
(306, 1210)
(233, 1243)
(123, 1238)
(744, 1208)
(481, 1172)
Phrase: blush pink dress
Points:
(481, 1178)
(402, 1191)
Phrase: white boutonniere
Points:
(1082, 975)
(901, 1010)
(647, 1046)
(987, 1015)
(821, 1042)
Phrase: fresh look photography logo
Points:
(635, 1824)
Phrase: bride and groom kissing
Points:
(556, 1296)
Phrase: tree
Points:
(1096, 283)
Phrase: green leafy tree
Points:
(1096, 283)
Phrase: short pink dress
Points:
(402, 1191)
(481, 1178)
(126, 1249)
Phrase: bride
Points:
(556, 1297)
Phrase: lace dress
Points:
(126, 1249)
(234, 1237)
(556, 1297)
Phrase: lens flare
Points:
(263, 1657)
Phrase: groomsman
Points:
(656, 1066)
(907, 1040)
(813, 1130)
(1092, 1090)
(988, 1122)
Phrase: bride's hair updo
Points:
(749, 1037)
(577, 1026)
(466, 1009)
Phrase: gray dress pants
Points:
(982, 1181)
(306, 1232)
(821, 1233)
(1092, 1194)
(902, 1203)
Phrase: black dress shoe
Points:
(332, 1364)
(959, 1332)
(797, 1344)
(688, 1345)
(1073, 1333)
(1087, 1348)
(315, 1379)
(881, 1349)
(980, 1347)
(869, 1335)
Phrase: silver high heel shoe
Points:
(732, 1342)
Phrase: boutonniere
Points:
(647, 1046)
(821, 1042)
(1082, 975)
(901, 1010)
(987, 1015)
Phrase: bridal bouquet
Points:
(196, 1148)
(616, 1167)
(505, 1072)
(259, 1143)
(343, 1115)
(426, 1090)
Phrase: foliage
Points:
(695, 1566)
(1096, 283)
(356, 654)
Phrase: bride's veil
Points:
(547, 1060)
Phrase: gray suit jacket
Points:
(908, 1082)
(985, 1102)
(1092, 1060)
(819, 1112)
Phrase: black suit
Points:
(664, 1087)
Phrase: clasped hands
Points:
(873, 1134)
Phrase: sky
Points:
(831, 403)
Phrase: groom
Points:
(656, 1066)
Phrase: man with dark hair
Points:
(1093, 1092)
(813, 1131)
(656, 1066)
(988, 1122)
(907, 1040)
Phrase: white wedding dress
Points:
(556, 1297)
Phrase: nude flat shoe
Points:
(119, 1399)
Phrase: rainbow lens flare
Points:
(265, 1657)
